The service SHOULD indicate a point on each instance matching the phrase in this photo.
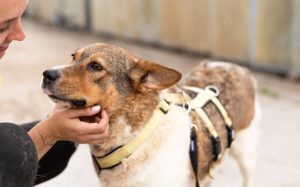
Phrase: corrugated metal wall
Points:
(295, 39)
(69, 13)
(273, 33)
(262, 33)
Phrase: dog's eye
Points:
(95, 66)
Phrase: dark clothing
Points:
(18, 157)
(19, 166)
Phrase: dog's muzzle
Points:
(51, 76)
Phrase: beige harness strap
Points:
(222, 111)
(197, 104)
(209, 94)
(208, 124)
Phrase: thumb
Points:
(60, 107)
(74, 113)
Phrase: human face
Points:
(10, 22)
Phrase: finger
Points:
(97, 119)
(104, 118)
(101, 124)
(92, 128)
(75, 113)
(104, 114)
(60, 107)
(94, 138)
(103, 121)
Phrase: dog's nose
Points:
(50, 75)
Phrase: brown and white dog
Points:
(130, 88)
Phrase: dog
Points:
(158, 136)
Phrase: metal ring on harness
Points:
(213, 89)
(193, 126)
(186, 103)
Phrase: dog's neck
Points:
(140, 109)
(127, 120)
(171, 137)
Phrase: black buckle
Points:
(216, 147)
(230, 135)
(194, 153)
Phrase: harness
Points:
(202, 98)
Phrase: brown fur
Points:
(128, 88)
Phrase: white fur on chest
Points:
(163, 160)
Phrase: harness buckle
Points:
(194, 127)
(213, 89)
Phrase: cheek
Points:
(1, 55)
(3, 37)
(105, 97)
(93, 95)
(110, 97)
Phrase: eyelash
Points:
(2, 30)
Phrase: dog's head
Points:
(106, 75)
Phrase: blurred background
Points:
(263, 35)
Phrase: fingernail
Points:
(96, 108)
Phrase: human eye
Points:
(4, 28)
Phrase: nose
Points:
(50, 76)
(17, 32)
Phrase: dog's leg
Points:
(244, 149)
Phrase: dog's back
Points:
(236, 86)
(236, 93)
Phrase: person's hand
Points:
(65, 124)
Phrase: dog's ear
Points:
(148, 76)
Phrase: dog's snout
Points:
(51, 75)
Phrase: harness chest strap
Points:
(209, 94)
(197, 105)
(216, 150)
(115, 158)
(228, 122)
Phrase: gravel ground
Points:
(23, 101)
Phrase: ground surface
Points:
(22, 101)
